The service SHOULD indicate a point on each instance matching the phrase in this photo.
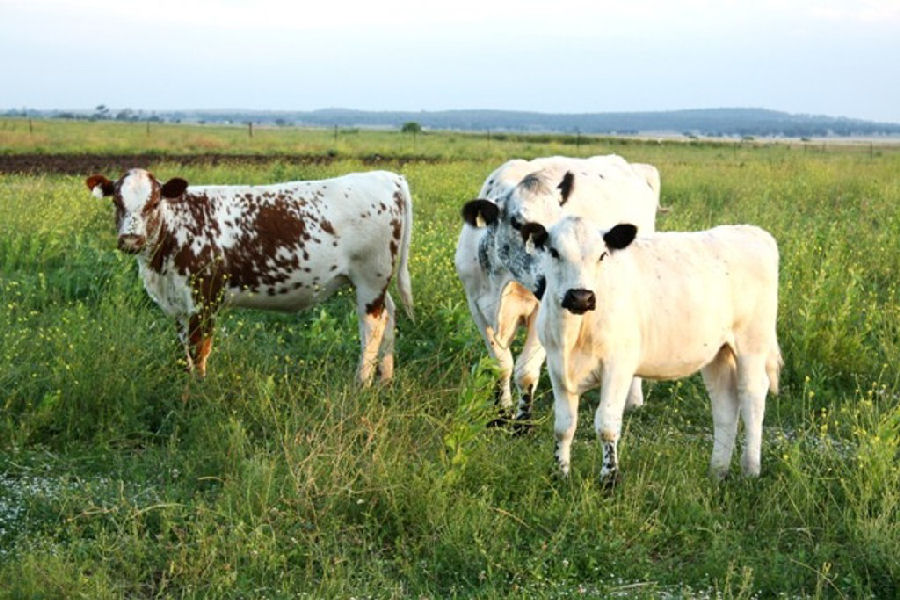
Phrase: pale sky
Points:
(829, 57)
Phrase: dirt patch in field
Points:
(82, 164)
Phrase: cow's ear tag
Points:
(529, 245)
(479, 220)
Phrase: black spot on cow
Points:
(566, 187)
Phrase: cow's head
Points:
(572, 255)
(136, 196)
(538, 198)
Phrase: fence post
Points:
(250, 128)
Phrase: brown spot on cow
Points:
(326, 226)
(163, 249)
(400, 202)
(376, 306)
(397, 228)
(275, 226)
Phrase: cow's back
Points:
(692, 292)
(284, 246)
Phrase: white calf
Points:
(664, 306)
(499, 276)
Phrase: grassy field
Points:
(277, 478)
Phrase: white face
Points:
(136, 198)
(571, 260)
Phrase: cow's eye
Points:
(554, 253)
(602, 256)
(515, 223)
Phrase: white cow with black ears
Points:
(661, 306)
(500, 280)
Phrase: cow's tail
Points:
(403, 282)
(774, 362)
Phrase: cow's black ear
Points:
(100, 186)
(174, 187)
(566, 187)
(480, 212)
(620, 236)
(534, 235)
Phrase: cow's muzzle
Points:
(131, 243)
(579, 301)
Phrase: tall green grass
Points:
(275, 477)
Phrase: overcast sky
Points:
(831, 57)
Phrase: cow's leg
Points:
(182, 326)
(721, 384)
(528, 371)
(500, 350)
(200, 331)
(499, 341)
(386, 362)
(608, 419)
(565, 419)
(635, 394)
(752, 385)
(503, 397)
(516, 306)
(195, 334)
(502, 355)
(370, 308)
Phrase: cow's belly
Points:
(295, 294)
(681, 356)
(674, 368)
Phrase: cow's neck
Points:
(160, 238)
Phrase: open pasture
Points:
(278, 478)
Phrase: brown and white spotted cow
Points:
(285, 246)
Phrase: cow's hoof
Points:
(502, 420)
(561, 473)
(522, 426)
(610, 481)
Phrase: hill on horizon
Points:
(719, 122)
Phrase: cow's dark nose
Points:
(579, 301)
(131, 244)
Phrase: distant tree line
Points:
(737, 123)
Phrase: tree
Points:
(411, 127)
